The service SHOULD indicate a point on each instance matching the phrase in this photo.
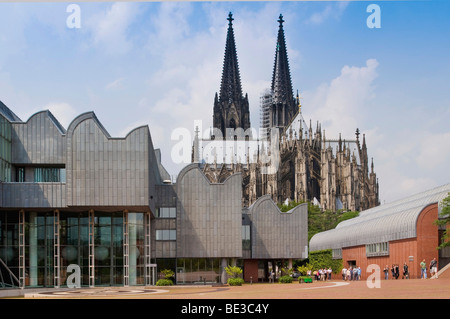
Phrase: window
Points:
(246, 243)
(5, 150)
(378, 249)
(166, 234)
(336, 253)
(20, 174)
(166, 212)
(49, 175)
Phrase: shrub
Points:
(233, 271)
(235, 281)
(285, 279)
(167, 273)
(164, 282)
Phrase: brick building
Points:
(396, 233)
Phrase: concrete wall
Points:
(209, 222)
(277, 235)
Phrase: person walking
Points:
(386, 272)
(271, 277)
(405, 271)
(423, 270)
(397, 271)
(433, 267)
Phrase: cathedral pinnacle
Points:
(230, 19)
(280, 20)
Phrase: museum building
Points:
(78, 196)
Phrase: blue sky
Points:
(159, 64)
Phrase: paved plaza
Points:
(334, 289)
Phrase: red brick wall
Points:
(428, 234)
(422, 247)
(251, 270)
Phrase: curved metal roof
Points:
(393, 221)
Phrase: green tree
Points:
(444, 220)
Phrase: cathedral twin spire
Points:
(231, 109)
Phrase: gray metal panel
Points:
(105, 171)
(34, 195)
(40, 140)
(393, 221)
(276, 234)
(209, 216)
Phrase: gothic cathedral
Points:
(331, 173)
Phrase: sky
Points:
(159, 64)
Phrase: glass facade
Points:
(198, 270)
(9, 242)
(41, 245)
(108, 249)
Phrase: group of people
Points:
(433, 269)
(351, 273)
(321, 274)
(395, 271)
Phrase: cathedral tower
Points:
(284, 105)
(231, 108)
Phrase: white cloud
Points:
(410, 160)
(332, 10)
(340, 105)
(433, 150)
(116, 84)
(110, 29)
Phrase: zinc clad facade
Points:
(209, 216)
(105, 171)
(276, 234)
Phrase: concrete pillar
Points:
(224, 264)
